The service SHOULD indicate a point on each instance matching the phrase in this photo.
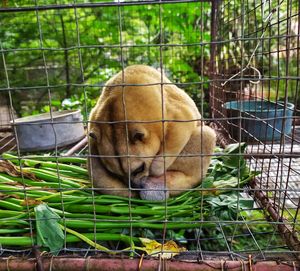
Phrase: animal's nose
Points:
(138, 170)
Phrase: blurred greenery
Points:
(81, 51)
(272, 26)
(62, 57)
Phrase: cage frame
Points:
(289, 235)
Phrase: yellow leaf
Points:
(29, 202)
(12, 170)
(166, 251)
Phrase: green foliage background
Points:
(81, 50)
(243, 25)
(72, 52)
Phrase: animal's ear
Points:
(92, 135)
(138, 134)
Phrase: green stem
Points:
(51, 177)
(10, 206)
(74, 160)
(9, 213)
(24, 241)
(34, 163)
(80, 224)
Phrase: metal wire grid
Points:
(268, 31)
(229, 232)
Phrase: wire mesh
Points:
(229, 56)
(265, 52)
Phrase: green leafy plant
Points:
(73, 77)
(49, 233)
(74, 220)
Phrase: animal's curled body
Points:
(132, 155)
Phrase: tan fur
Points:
(181, 133)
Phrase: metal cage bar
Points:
(242, 51)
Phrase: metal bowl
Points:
(41, 132)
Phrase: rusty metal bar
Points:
(289, 235)
(213, 51)
(117, 264)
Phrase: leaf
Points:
(49, 232)
(14, 171)
(166, 251)
(207, 182)
(233, 157)
(227, 182)
(68, 103)
(226, 206)
(87, 240)
(55, 102)
(30, 202)
(236, 148)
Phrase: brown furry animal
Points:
(132, 156)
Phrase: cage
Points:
(238, 60)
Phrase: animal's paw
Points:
(157, 167)
(153, 189)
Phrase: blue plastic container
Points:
(260, 120)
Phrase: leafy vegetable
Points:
(227, 206)
(49, 232)
(228, 170)
(63, 208)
